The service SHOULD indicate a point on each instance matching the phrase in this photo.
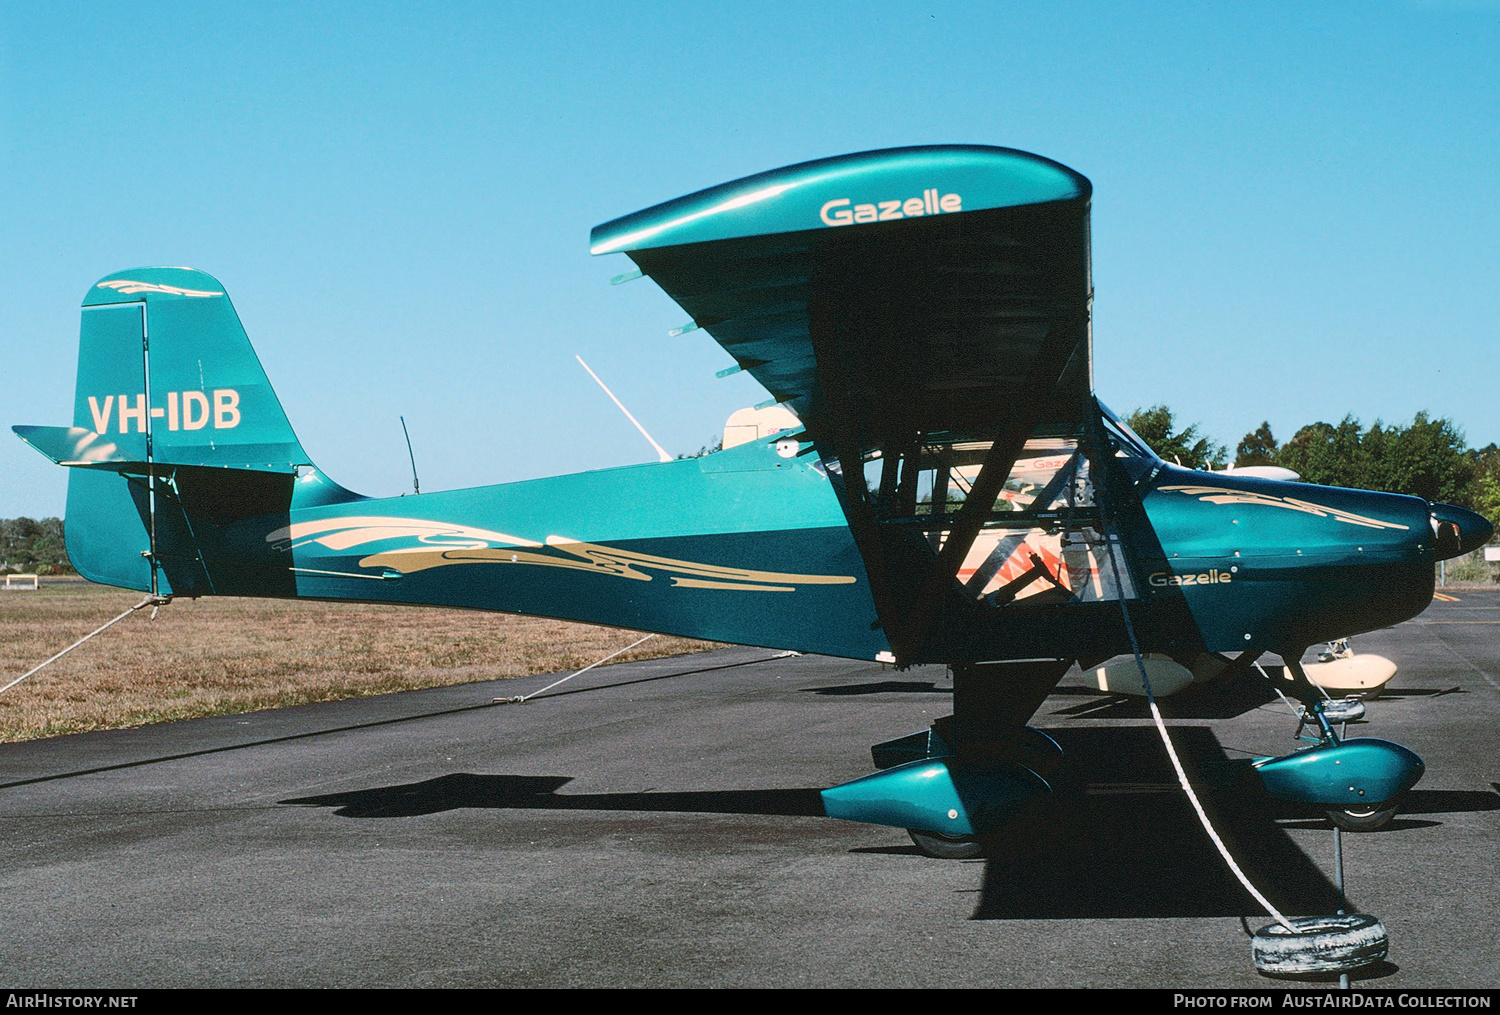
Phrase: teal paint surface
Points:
(826, 193)
(746, 488)
(82, 448)
(1288, 564)
(104, 528)
(209, 400)
(769, 266)
(937, 795)
(754, 554)
(1353, 773)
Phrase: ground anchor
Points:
(1319, 945)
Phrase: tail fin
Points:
(163, 354)
(173, 420)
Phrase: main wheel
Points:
(1364, 819)
(946, 847)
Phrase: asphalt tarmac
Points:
(658, 824)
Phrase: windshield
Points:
(1134, 454)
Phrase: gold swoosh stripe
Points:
(442, 544)
(605, 560)
(1218, 495)
(699, 583)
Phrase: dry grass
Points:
(219, 656)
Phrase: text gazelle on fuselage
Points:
(1162, 579)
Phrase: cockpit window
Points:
(1133, 454)
(1045, 538)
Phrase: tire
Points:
(1363, 819)
(1319, 945)
(946, 847)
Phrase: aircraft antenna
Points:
(661, 452)
(416, 487)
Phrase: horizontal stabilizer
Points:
(80, 447)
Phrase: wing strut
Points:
(909, 633)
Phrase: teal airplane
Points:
(956, 493)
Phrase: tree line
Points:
(1426, 457)
(28, 546)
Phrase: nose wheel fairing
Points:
(1365, 772)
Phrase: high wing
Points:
(905, 304)
(969, 301)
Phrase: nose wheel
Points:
(1364, 819)
(946, 847)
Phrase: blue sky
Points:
(1294, 208)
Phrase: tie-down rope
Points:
(523, 698)
(155, 602)
(520, 699)
(1182, 778)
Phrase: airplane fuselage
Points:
(750, 546)
(741, 546)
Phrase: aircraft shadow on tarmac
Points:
(465, 789)
(1215, 699)
(1120, 841)
(1224, 698)
(1219, 699)
(882, 687)
(1123, 841)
